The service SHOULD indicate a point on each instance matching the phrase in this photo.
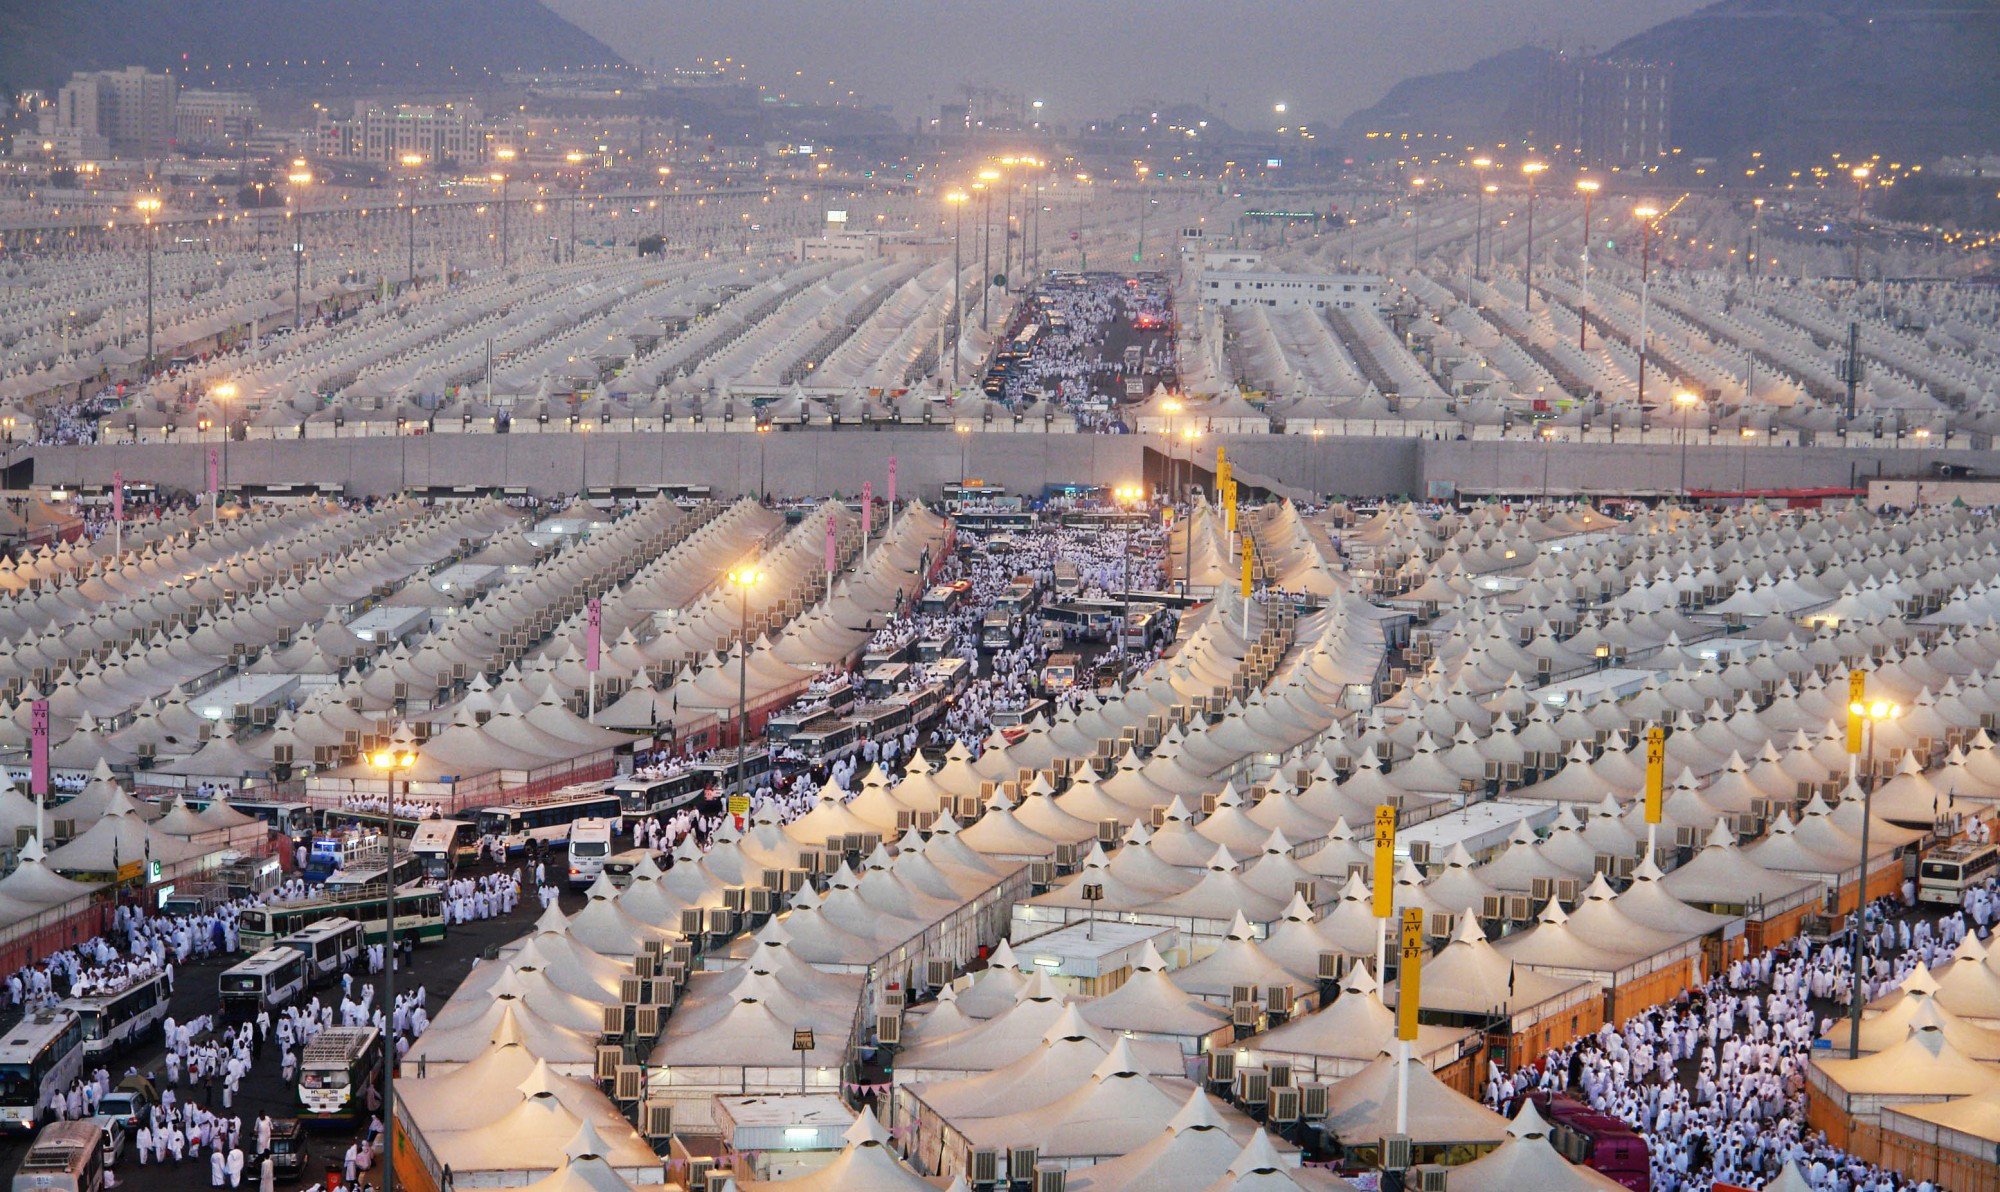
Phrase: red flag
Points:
(593, 633)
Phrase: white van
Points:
(589, 845)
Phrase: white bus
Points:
(589, 845)
(39, 1059)
(336, 1071)
(619, 866)
(419, 913)
(1945, 874)
(548, 820)
(266, 981)
(329, 946)
(442, 845)
(65, 1157)
(112, 1021)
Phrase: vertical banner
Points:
(1411, 961)
(830, 554)
(1857, 695)
(38, 750)
(892, 497)
(1385, 862)
(117, 496)
(1656, 772)
(214, 475)
(593, 634)
(867, 508)
(1248, 568)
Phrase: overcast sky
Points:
(1325, 58)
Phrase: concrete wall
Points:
(799, 463)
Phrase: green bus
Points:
(419, 915)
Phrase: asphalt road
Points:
(438, 967)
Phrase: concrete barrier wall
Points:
(800, 463)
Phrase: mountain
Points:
(1797, 79)
(45, 41)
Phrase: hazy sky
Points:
(1325, 58)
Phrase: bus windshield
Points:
(589, 848)
(244, 984)
(18, 1084)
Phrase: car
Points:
(115, 1133)
(120, 1110)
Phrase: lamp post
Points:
(1684, 404)
(1531, 169)
(1480, 191)
(300, 178)
(1860, 176)
(1645, 214)
(957, 200)
(763, 431)
(398, 759)
(1862, 717)
(1416, 218)
(1189, 435)
(964, 433)
(1748, 435)
(1589, 187)
(1139, 257)
(743, 579)
(149, 206)
(1173, 407)
(985, 189)
(1127, 495)
(223, 395)
(1753, 263)
(412, 162)
(1548, 435)
(505, 157)
(1007, 225)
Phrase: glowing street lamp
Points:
(1863, 714)
(743, 579)
(1646, 214)
(148, 206)
(1531, 169)
(1589, 188)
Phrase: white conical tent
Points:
(1526, 1160)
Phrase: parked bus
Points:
(39, 1059)
(548, 821)
(111, 1021)
(589, 845)
(367, 879)
(1945, 874)
(328, 855)
(639, 798)
(618, 867)
(419, 914)
(287, 819)
(441, 846)
(343, 819)
(336, 1070)
(266, 981)
(329, 946)
(65, 1157)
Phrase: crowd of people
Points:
(1068, 362)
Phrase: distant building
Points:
(1604, 112)
(113, 113)
(448, 133)
(1318, 291)
(217, 119)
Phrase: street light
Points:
(1548, 435)
(1173, 407)
(300, 178)
(1684, 404)
(1589, 187)
(1749, 435)
(1860, 176)
(504, 156)
(1416, 218)
(148, 206)
(413, 161)
(399, 758)
(964, 436)
(1531, 169)
(985, 188)
(1863, 715)
(1645, 214)
(1481, 164)
(763, 430)
(1189, 435)
(223, 395)
(1127, 495)
(957, 200)
(743, 579)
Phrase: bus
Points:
(831, 743)
(346, 819)
(113, 1020)
(329, 946)
(39, 1059)
(367, 879)
(1083, 620)
(639, 798)
(782, 727)
(336, 1070)
(589, 845)
(419, 915)
(65, 1157)
(265, 981)
(618, 867)
(442, 846)
(943, 598)
(514, 824)
(329, 854)
(286, 819)
(1945, 874)
(1603, 1143)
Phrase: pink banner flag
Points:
(593, 634)
(38, 750)
(118, 496)
(214, 472)
(867, 505)
(892, 482)
(830, 557)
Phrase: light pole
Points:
(300, 178)
(575, 159)
(413, 161)
(1756, 239)
(1645, 214)
(1416, 219)
(1684, 404)
(1480, 189)
(1749, 435)
(964, 436)
(985, 189)
(1862, 717)
(223, 395)
(398, 759)
(957, 200)
(1548, 434)
(1007, 224)
(1860, 176)
(149, 206)
(1173, 407)
(1139, 257)
(1189, 434)
(763, 432)
(1127, 495)
(743, 579)
(505, 157)
(1531, 169)
(1589, 188)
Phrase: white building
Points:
(1229, 287)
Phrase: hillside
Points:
(1798, 79)
(45, 41)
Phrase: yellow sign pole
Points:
(1408, 984)
(1656, 783)
(1385, 883)
(1857, 699)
